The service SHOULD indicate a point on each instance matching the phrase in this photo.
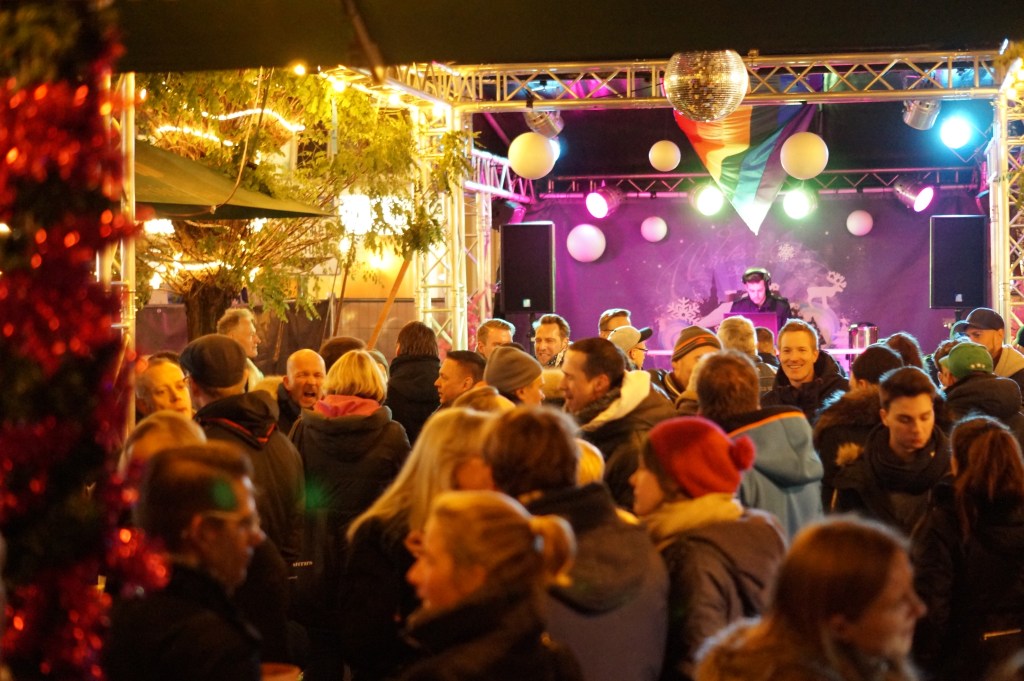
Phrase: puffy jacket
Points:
(846, 420)
(809, 397)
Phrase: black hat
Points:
(985, 318)
(215, 361)
(877, 359)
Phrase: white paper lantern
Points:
(654, 229)
(585, 243)
(664, 156)
(531, 156)
(859, 222)
(804, 155)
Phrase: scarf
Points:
(675, 517)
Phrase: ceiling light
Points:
(799, 203)
(914, 195)
(920, 114)
(955, 132)
(602, 202)
(547, 123)
(708, 199)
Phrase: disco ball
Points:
(706, 86)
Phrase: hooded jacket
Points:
(412, 396)
(250, 420)
(617, 423)
(488, 637)
(351, 451)
(718, 573)
(809, 397)
(983, 393)
(786, 477)
(847, 419)
(970, 587)
(874, 481)
(613, 616)
(1010, 365)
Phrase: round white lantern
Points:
(585, 243)
(664, 156)
(804, 155)
(859, 222)
(654, 229)
(531, 156)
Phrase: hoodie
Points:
(617, 424)
(250, 421)
(983, 393)
(786, 477)
(412, 396)
(1010, 365)
(613, 616)
(809, 397)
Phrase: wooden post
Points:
(387, 304)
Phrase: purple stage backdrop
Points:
(836, 279)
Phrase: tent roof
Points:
(174, 186)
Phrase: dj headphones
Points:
(765, 274)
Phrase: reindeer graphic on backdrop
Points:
(836, 284)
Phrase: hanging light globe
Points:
(706, 86)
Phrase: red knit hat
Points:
(699, 456)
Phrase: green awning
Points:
(177, 187)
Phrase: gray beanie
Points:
(509, 369)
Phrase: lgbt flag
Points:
(742, 153)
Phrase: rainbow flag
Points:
(742, 153)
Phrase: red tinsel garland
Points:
(60, 357)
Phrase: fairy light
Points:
(291, 127)
(160, 227)
(186, 130)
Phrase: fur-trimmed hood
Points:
(858, 408)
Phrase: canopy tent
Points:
(174, 186)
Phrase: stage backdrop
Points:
(834, 278)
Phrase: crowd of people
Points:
(559, 512)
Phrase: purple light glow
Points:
(597, 205)
(923, 199)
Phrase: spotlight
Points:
(799, 203)
(955, 132)
(602, 202)
(556, 147)
(915, 195)
(707, 199)
(920, 114)
(547, 123)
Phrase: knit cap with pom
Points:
(699, 456)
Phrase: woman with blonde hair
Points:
(351, 451)
(969, 555)
(376, 598)
(844, 609)
(480, 574)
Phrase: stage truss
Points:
(455, 280)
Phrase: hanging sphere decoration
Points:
(585, 243)
(804, 155)
(859, 222)
(664, 156)
(706, 86)
(531, 156)
(654, 229)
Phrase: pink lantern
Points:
(585, 243)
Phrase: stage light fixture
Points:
(914, 195)
(547, 123)
(799, 203)
(556, 147)
(956, 131)
(921, 114)
(707, 199)
(602, 202)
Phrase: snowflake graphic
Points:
(786, 252)
(684, 309)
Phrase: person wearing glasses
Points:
(198, 503)
(633, 342)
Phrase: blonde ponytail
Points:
(556, 546)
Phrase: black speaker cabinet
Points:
(528, 267)
(958, 267)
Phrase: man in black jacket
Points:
(759, 297)
(808, 376)
(215, 368)
(971, 388)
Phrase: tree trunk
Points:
(204, 304)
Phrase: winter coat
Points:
(412, 396)
(289, 411)
(351, 451)
(718, 573)
(250, 420)
(1010, 365)
(874, 481)
(772, 303)
(666, 382)
(617, 424)
(809, 397)
(970, 587)
(613, 616)
(187, 630)
(983, 393)
(739, 653)
(786, 477)
(847, 419)
(376, 600)
(489, 637)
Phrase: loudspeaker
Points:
(528, 267)
(958, 261)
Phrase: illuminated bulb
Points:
(708, 200)
(345, 244)
(955, 132)
(164, 227)
(299, 69)
(798, 204)
(257, 224)
(155, 281)
(4, 229)
(338, 84)
(394, 100)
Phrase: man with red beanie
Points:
(721, 557)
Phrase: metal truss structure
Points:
(459, 272)
(1006, 204)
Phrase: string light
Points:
(186, 130)
(291, 127)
